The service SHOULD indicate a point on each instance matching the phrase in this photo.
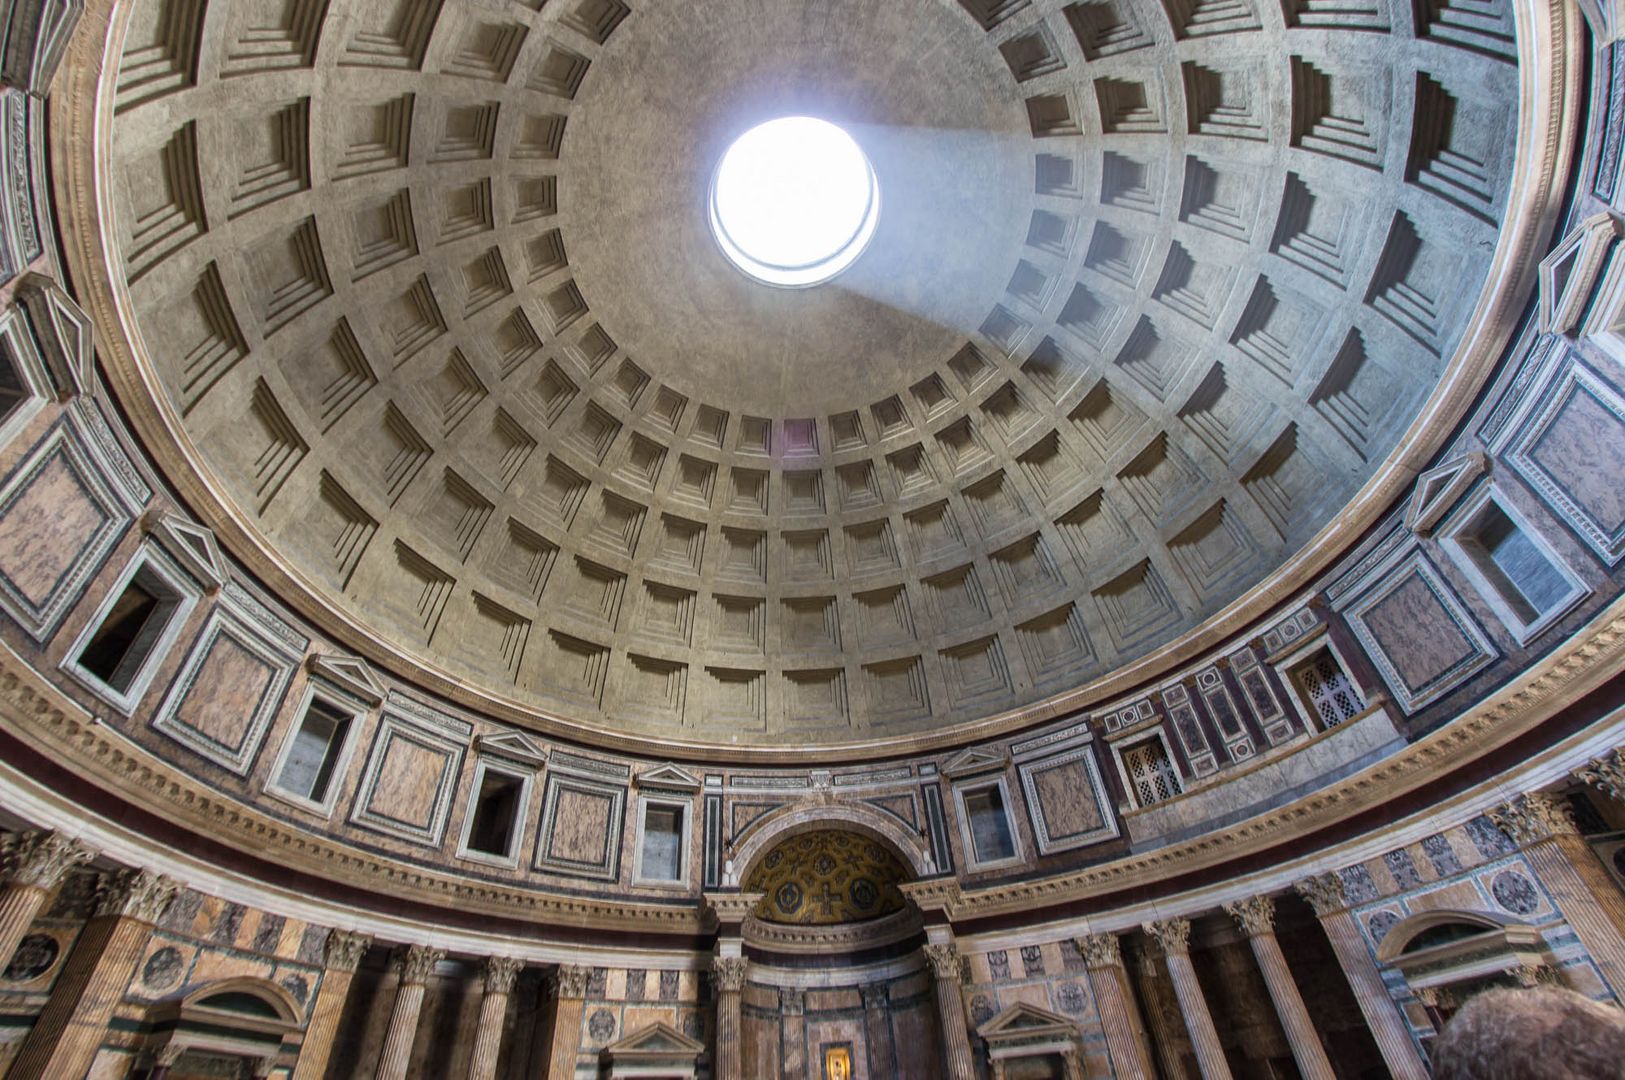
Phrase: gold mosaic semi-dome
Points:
(419, 305)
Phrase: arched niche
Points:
(1449, 955)
(776, 826)
(245, 1020)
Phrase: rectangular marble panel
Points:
(1067, 801)
(410, 777)
(581, 827)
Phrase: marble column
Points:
(1103, 958)
(1174, 936)
(1166, 1031)
(500, 973)
(1256, 917)
(341, 956)
(569, 985)
(35, 862)
(1542, 825)
(416, 964)
(64, 1040)
(728, 978)
(1388, 1028)
(948, 974)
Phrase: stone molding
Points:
(570, 981)
(135, 894)
(500, 973)
(344, 949)
(1254, 915)
(1100, 950)
(416, 963)
(728, 972)
(1534, 817)
(41, 859)
(1173, 936)
(732, 909)
(1606, 774)
(1324, 893)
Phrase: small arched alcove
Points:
(240, 1024)
(1448, 956)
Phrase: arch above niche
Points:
(827, 877)
(776, 826)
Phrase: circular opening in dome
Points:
(794, 201)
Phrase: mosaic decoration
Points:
(826, 877)
(1516, 893)
(163, 968)
(35, 955)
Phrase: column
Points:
(1543, 826)
(948, 974)
(1324, 892)
(415, 963)
(341, 955)
(877, 1030)
(569, 1000)
(728, 977)
(65, 1038)
(1166, 1031)
(1103, 958)
(1256, 917)
(36, 862)
(1174, 935)
(500, 973)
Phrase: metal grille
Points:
(1151, 773)
(1331, 695)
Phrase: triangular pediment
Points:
(977, 759)
(1440, 488)
(514, 746)
(64, 332)
(1569, 274)
(194, 545)
(657, 1041)
(1024, 1021)
(668, 777)
(350, 674)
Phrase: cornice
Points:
(1548, 39)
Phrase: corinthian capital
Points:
(500, 973)
(1255, 915)
(1534, 817)
(1324, 892)
(944, 961)
(417, 963)
(135, 894)
(728, 972)
(1606, 774)
(43, 859)
(1100, 950)
(344, 949)
(1173, 935)
(570, 980)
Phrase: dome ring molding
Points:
(80, 108)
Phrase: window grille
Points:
(1332, 696)
(1151, 773)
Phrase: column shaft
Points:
(1307, 1050)
(343, 954)
(500, 973)
(1382, 1018)
(1198, 1021)
(19, 904)
(569, 1002)
(1589, 900)
(64, 1040)
(944, 962)
(402, 1032)
(1103, 958)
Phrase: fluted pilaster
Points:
(35, 863)
(500, 973)
(1174, 936)
(1103, 958)
(569, 986)
(947, 971)
(415, 964)
(728, 977)
(1256, 917)
(341, 956)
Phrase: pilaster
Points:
(35, 863)
(569, 985)
(947, 970)
(1103, 958)
(728, 978)
(341, 956)
(1173, 935)
(1256, 917)
(416, 964)
(499, 975)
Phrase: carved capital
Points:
(500, 973)
(1173, 935)
(1100, 950)
(1324, 892)
(43, 859)
(570, 980)
(417, 962)
(135, 894)
(344, 949)
(1606, 774)
(944, 961)
(728, 972)
(1255, 915)
(1534, 817)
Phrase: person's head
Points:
(1539, 1034)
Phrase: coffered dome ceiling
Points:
(423, 299)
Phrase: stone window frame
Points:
(1140, 736)
(31, 373)
(483, 764)
(684, 844)
(1449, 538)
(1285, 666)
(970, 786)
(357, 713)
(151, 558)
